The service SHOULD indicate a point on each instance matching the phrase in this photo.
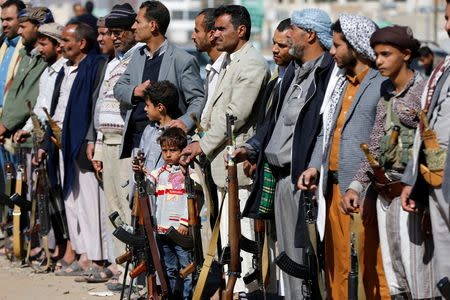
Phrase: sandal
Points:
(97, 277)
(91, 270)
(75, 268)
(61, 263)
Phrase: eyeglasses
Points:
(116, 32)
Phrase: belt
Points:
(333, 177)
(280, 172)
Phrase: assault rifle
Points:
(381, 183)
(234, 224)
(256, 248)
(353, 274)
(309, 271)
(194, 226)
(17, 215)
(57, 133)
(9, 187)
(141, 244)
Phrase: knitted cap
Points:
(122, 15)
(358, 30)
(42, 15)
(317, 20)
(53, 30)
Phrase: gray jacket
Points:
(356, 129)
(178, 67)
(411, 171)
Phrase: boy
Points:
(406, 252)
(161, 107)
(167, 183)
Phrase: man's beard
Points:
(296, 52)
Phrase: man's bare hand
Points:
(306, 181)
(179, 124)
(191, 151)
(90, 151)
(239, 155)
(21, 136)
(139, 90)
(349, 202)
(183, 229)
(249, 169)
(40, 155)
(137, 165)
(408, 204)
(97, 165)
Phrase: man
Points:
(49, 37)
(71, 110)
(426, 59)
(9, 52)
(408, 267)
(348, 121)
(247, 73)
(109, 123)
(418, 190)
(156, 61)
(25, 85)
(84, 14)
(104, 39)
(282, 58)
(300, 96)
(78, 9)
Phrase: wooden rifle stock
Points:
(57, 133)
(234, 224)
(20, 179)
(138, 270)
(123, 258)
(201, 131)
(377, 170)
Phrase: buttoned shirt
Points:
(4, 66)
(212, 70)
(70, 73)
(354, 82)
(46, 88)
(161, 49)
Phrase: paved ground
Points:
(18, 283)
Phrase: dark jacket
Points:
(309, 113)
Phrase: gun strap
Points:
(355, 227)
(209, 256)
(313, 240)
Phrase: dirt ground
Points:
(21, 283)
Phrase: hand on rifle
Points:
(40, 156)
(239, 155)
(179, 124)
(306, 181)
(349, 202)
(408, 204)
(21, 136)
(183, 229)
(191, 151)
(139, 90)
(137, 165)
(97, 165)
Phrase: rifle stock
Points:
(20, 179)
(57, 133)
(234, 227)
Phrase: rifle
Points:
(9, 187)
(309, 271)
(57, 133)
(234, 224)
(195, 226)
(353, 274)
(257, 251)
(141, 243)
(20, 179)
(381, 183)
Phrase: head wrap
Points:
(396, 35)
(358, 30)
(122, 15)
(42, 15)
(53, 30)
(317, 20)
(101, 22)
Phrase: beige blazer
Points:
(239, 92)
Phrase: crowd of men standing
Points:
(298, 131)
